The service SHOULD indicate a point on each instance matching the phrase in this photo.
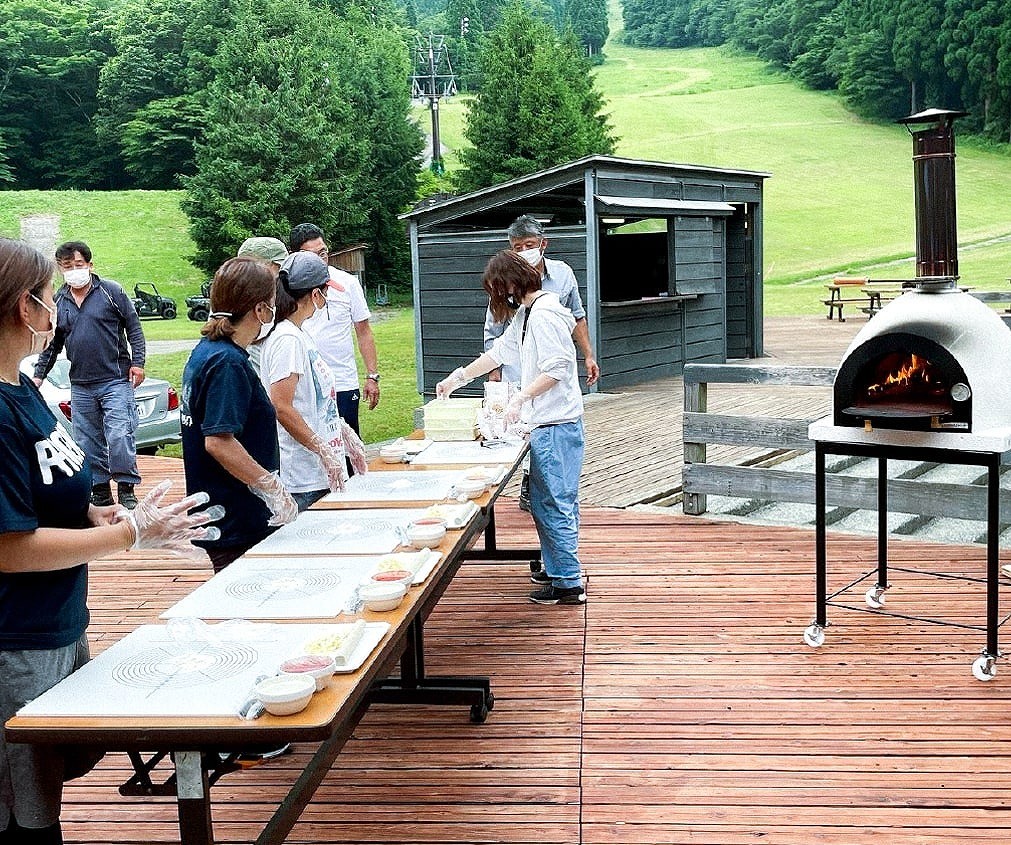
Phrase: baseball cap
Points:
(269, 249)
(303, 271)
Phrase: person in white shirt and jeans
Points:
(549, 403)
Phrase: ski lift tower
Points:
(433, 79)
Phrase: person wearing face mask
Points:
(228, 423)
(526, 239)
(49, 530)
(539, 344)
(97, 324)
(311, 433)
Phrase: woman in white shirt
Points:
(549, 404)
(311, 434)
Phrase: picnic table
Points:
(202, 749)
(841, 293)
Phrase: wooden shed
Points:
(668, 258)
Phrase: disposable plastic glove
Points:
(454, 381)
(282, 507)
(171, 528)
(355, 449)
(332, 460)
(514, 408)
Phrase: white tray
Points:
(371, 637)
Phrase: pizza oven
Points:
(933, 367)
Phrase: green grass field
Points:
(839, 198)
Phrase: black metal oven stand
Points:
(984, 667)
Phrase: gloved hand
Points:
(171, 528)
(454, 381)
(514, 408)
(355, 449)
(333, 462)
(282, 507)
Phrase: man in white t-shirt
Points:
(336, 327)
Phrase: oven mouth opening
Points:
(901, 385)
(903, 381)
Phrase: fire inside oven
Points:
(903, 381)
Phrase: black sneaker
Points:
(127, 496)
(525, 492)
(101, 495)
(540, 577)
(559, 595)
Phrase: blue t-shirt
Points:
(223, 395)
(45, 482)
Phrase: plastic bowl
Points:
(392, 454)
(284, 695)
(320, 666)
(426, 533)
(393, 576)
(380, 596)
(471, 487)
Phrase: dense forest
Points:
(887, 58)
(269, 113)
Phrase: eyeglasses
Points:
(323, 253)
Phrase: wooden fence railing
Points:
(701, 429)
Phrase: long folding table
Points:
(201, 750)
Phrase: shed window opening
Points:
(634, 258)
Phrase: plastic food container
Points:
(392, 453)
(320, 666)
(393, 576)
(452, 419)
(380, 596)
(471, 487)
(426, 533)
(284, 695)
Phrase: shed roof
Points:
(564, 180)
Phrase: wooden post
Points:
(696, 400)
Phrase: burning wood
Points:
(913, 375)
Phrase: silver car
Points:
(157, 404)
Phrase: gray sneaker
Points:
(126, 495)
(525, 492)
(101, 495)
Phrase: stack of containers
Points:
(452, 419)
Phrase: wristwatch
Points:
(373, 376)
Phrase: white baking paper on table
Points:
(339, 532)
(467, 452)
(276, 588)
(396, 486)
(150, 673)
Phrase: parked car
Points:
(157, 404)
(150, 303)
(198, 306)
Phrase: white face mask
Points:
(40, 340)
(532, 256)
(266, 327)
(77, 277)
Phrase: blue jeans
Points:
(104, 417)
(304, 500)
(556, 460)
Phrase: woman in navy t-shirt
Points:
(229, 426)
(48, 532)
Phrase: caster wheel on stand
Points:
(479, 713)
(984, 667)
(875, 597)
(814, 635)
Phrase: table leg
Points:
(992, 554)
(820, 558)
(194, 800)
(491, 551)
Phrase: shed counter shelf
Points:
(202, 748)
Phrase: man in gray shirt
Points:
(526, 238)
(98, 325)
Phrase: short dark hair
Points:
(507, 273)
(301, 233)
(66, 250)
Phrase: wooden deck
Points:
(678, 706)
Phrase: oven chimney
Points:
(934, 192)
